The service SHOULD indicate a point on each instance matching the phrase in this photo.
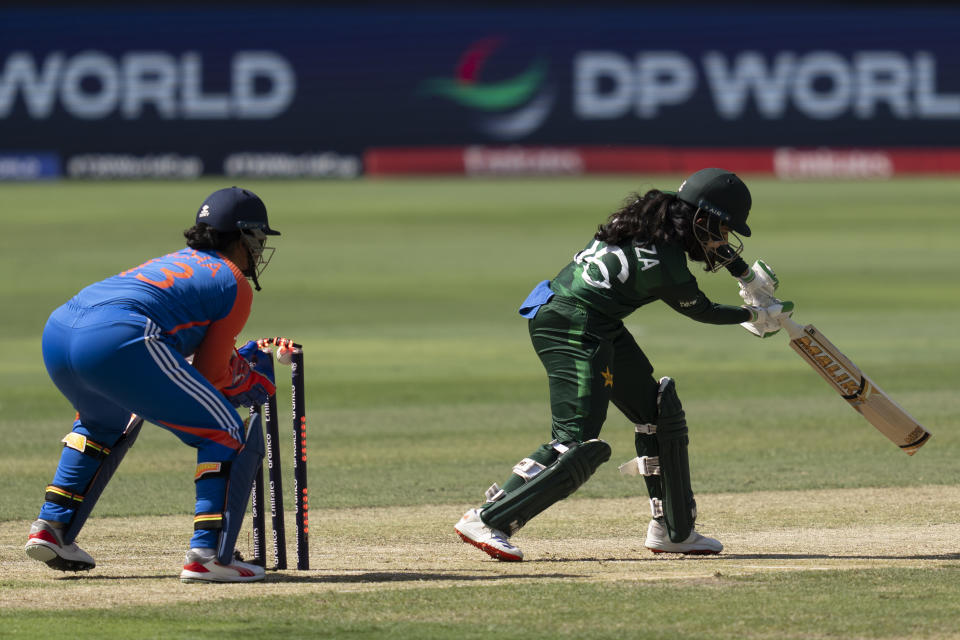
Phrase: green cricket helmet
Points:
(720, 193)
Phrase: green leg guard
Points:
(546, 485)
(524, 471)
(679, 510)
(662, 461)
(648, 447)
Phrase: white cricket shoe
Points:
(45, 543)
(659, 541)
(496, 544)
(201, 565)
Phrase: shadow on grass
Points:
(372, 577)
(837, 556)
(375, 577)
(87, 576)
(755, 556)
(382, 577)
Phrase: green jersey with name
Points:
(616, 279)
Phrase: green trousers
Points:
(590, 361)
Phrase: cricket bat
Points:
(857, 389)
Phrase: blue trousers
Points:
(110, 363)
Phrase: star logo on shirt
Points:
(607, 377)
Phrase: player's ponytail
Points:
(656, 216)
(203, 237)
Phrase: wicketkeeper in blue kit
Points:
(119, 351)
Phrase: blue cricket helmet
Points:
(235, 209)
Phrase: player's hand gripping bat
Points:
(853, 385)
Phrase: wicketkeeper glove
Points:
(765, 321)
(249, 387)
(260, 360)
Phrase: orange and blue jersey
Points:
(198, 299)
(120, 347)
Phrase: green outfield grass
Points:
(833, 603)
(422, 388)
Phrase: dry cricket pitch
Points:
(139, 559)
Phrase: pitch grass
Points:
(422, 389)
(817, 564)
(828, 604)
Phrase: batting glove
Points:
(758, 286)
(765, 321)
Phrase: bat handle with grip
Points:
(794, 330)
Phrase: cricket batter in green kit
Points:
(576, 324)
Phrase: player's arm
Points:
(214, 358)
(693, 303)
(738, 268)
(759, 320)
(678, 288)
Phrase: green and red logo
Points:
(507, 109)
